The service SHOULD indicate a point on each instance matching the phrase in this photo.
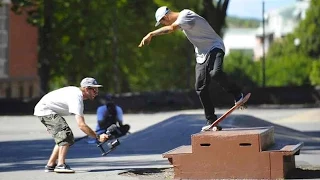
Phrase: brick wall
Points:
(22, 80)
(23, 44)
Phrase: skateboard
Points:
(238, 104)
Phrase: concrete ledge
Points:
(292, 149)
(178, 150)
(233, 153)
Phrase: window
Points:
(4, 40)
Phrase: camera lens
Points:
(114, 144)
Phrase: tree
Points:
(40, 15)
(308, 31)
(215, 13)
(240, 66)
(291, 64)
(100, 39)
(315, 73)
(289, 70)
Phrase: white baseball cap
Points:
(161, 11)
(89, 82)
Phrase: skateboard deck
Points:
(244, 100)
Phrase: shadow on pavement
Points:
(151, 173)
(299, 173)
(154, 140)
(176, 131)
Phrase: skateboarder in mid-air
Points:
(209, 52)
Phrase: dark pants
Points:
(212, 69)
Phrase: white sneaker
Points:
(49, 168)
(205, 128)
(239, 100)
(63, 168)
(215, 128)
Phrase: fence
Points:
(182, 99)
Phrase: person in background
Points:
(110, 114)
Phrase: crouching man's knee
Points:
(64, 137)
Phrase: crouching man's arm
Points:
(86, 129)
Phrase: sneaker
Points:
(209, 122)
(63, 168)
(211, 119)
(214, 128)
(239, 98)
(49, 168)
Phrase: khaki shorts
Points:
(58, 128)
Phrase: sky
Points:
(253, 8)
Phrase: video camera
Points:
(112, 132)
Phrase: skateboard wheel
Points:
(217, 128)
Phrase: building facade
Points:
(18, 55)
(240, 39)
(278, 24)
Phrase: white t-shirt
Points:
(199, 33)
(63, 101)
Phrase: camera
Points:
(114, 144)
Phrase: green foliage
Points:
(282, 47)
(100, 39)
(104, 43)
(293, 64)
(235, 22)
(286, 65)
(289, 70)
(242, 69)
(280, 71)
(315, 73)
(31, 7)
(308, 31)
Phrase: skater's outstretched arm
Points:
(163, 30)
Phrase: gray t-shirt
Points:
(199, 33)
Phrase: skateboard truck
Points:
(112, 145)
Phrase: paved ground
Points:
(25, 145)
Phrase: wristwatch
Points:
(97, 136)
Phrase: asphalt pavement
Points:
(25, 145)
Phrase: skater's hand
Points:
(145, 41)
(103, 137)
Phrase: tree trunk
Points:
(45, 54)
(215, 14)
